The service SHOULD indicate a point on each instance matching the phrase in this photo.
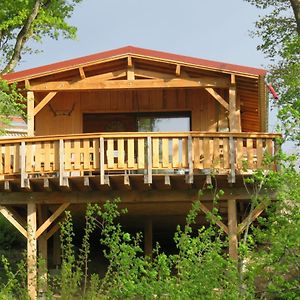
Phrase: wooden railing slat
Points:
(249, 144)
(165, 153)
(155, 152)
(259, 152)
(110, 154)
(184, 163)
(175, 153)
(141, 153)
(130, 144)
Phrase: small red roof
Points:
(133, 51)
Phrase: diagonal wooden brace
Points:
(51, 219)
(218, 222)
(256, 212)
(13, 220)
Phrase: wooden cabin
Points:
(149, 127)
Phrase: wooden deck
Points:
(146, 155)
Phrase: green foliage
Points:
(269, 264)
(49, 21)
(281, 44)
(11, 103)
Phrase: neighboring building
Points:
(147, 126)
(16, 128)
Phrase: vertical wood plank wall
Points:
(207, 114)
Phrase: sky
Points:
(215, 29)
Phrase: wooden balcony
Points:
(144, 155)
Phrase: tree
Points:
(25, 20)
(279, 30)
(20, 22)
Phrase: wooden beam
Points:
(31, 251)
(81, 72)
(202, 82)
(257, 211)
(232, 229)
(44, 102)
(127, 196)
(218, 97)
(214, 218)
(11, 218)
(30, 113)
(51, 219)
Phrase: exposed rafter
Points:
(81, 72)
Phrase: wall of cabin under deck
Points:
(63, 115)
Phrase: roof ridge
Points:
(217, 65)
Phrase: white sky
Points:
(215, 29)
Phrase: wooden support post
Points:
(148, 237)
(30, 113)
(232, 229)
(233, 111)
(31, 251)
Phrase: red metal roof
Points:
(42, 70)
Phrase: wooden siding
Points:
(64, 113)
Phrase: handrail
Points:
(142, 134)
(140, 152)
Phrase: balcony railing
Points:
(135, 153)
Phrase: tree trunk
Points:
(296, 8)
(22, 37)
